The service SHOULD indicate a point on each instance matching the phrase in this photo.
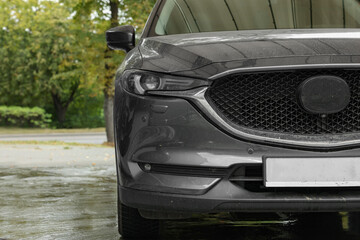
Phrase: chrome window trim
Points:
(197, 96)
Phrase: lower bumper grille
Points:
(247, 176)
(250, 177)
(185, 170)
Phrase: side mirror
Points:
(121, 38)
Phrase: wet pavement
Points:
(78, 201)
(50, 203)
(90, 138)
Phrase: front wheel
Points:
(133, 226)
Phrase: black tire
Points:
(243, 216)
(318, 226)
(354, 222)
(133, 226)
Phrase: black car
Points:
(238, 106)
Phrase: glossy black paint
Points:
(203, 55)
(171, 131)
(121, 38)
(181, 136)
(225, 197)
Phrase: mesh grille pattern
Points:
(267, 102)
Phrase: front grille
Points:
(268, 102)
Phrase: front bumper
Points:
(171, 132)
(227, 198)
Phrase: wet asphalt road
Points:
(91, 138)
(77, 200)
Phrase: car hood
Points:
(206, 54)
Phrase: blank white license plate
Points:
(312, 172)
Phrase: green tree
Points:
(53, 51)
(97, 16)
(16, 74)
(57, 57)
(40, 55)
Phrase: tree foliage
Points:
(23, 116)
(137, 12)
(98, 16)
(95, 16)
(41, 57)
(53, 53)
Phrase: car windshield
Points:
(192, 16)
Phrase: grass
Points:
(11, 130)
(56, 143)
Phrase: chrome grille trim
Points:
(197, 97)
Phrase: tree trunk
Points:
(60, 110)
(109, 116)
(61, 115)
(110, 70)
(61, 106)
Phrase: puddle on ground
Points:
(80, 203)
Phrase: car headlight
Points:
(140, 82)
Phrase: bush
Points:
(24, 117)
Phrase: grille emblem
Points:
(324, 95)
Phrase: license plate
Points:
(312, 172)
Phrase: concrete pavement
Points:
(30, 156)
(90, 138)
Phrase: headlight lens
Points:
(139, 82)
(149, 82)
